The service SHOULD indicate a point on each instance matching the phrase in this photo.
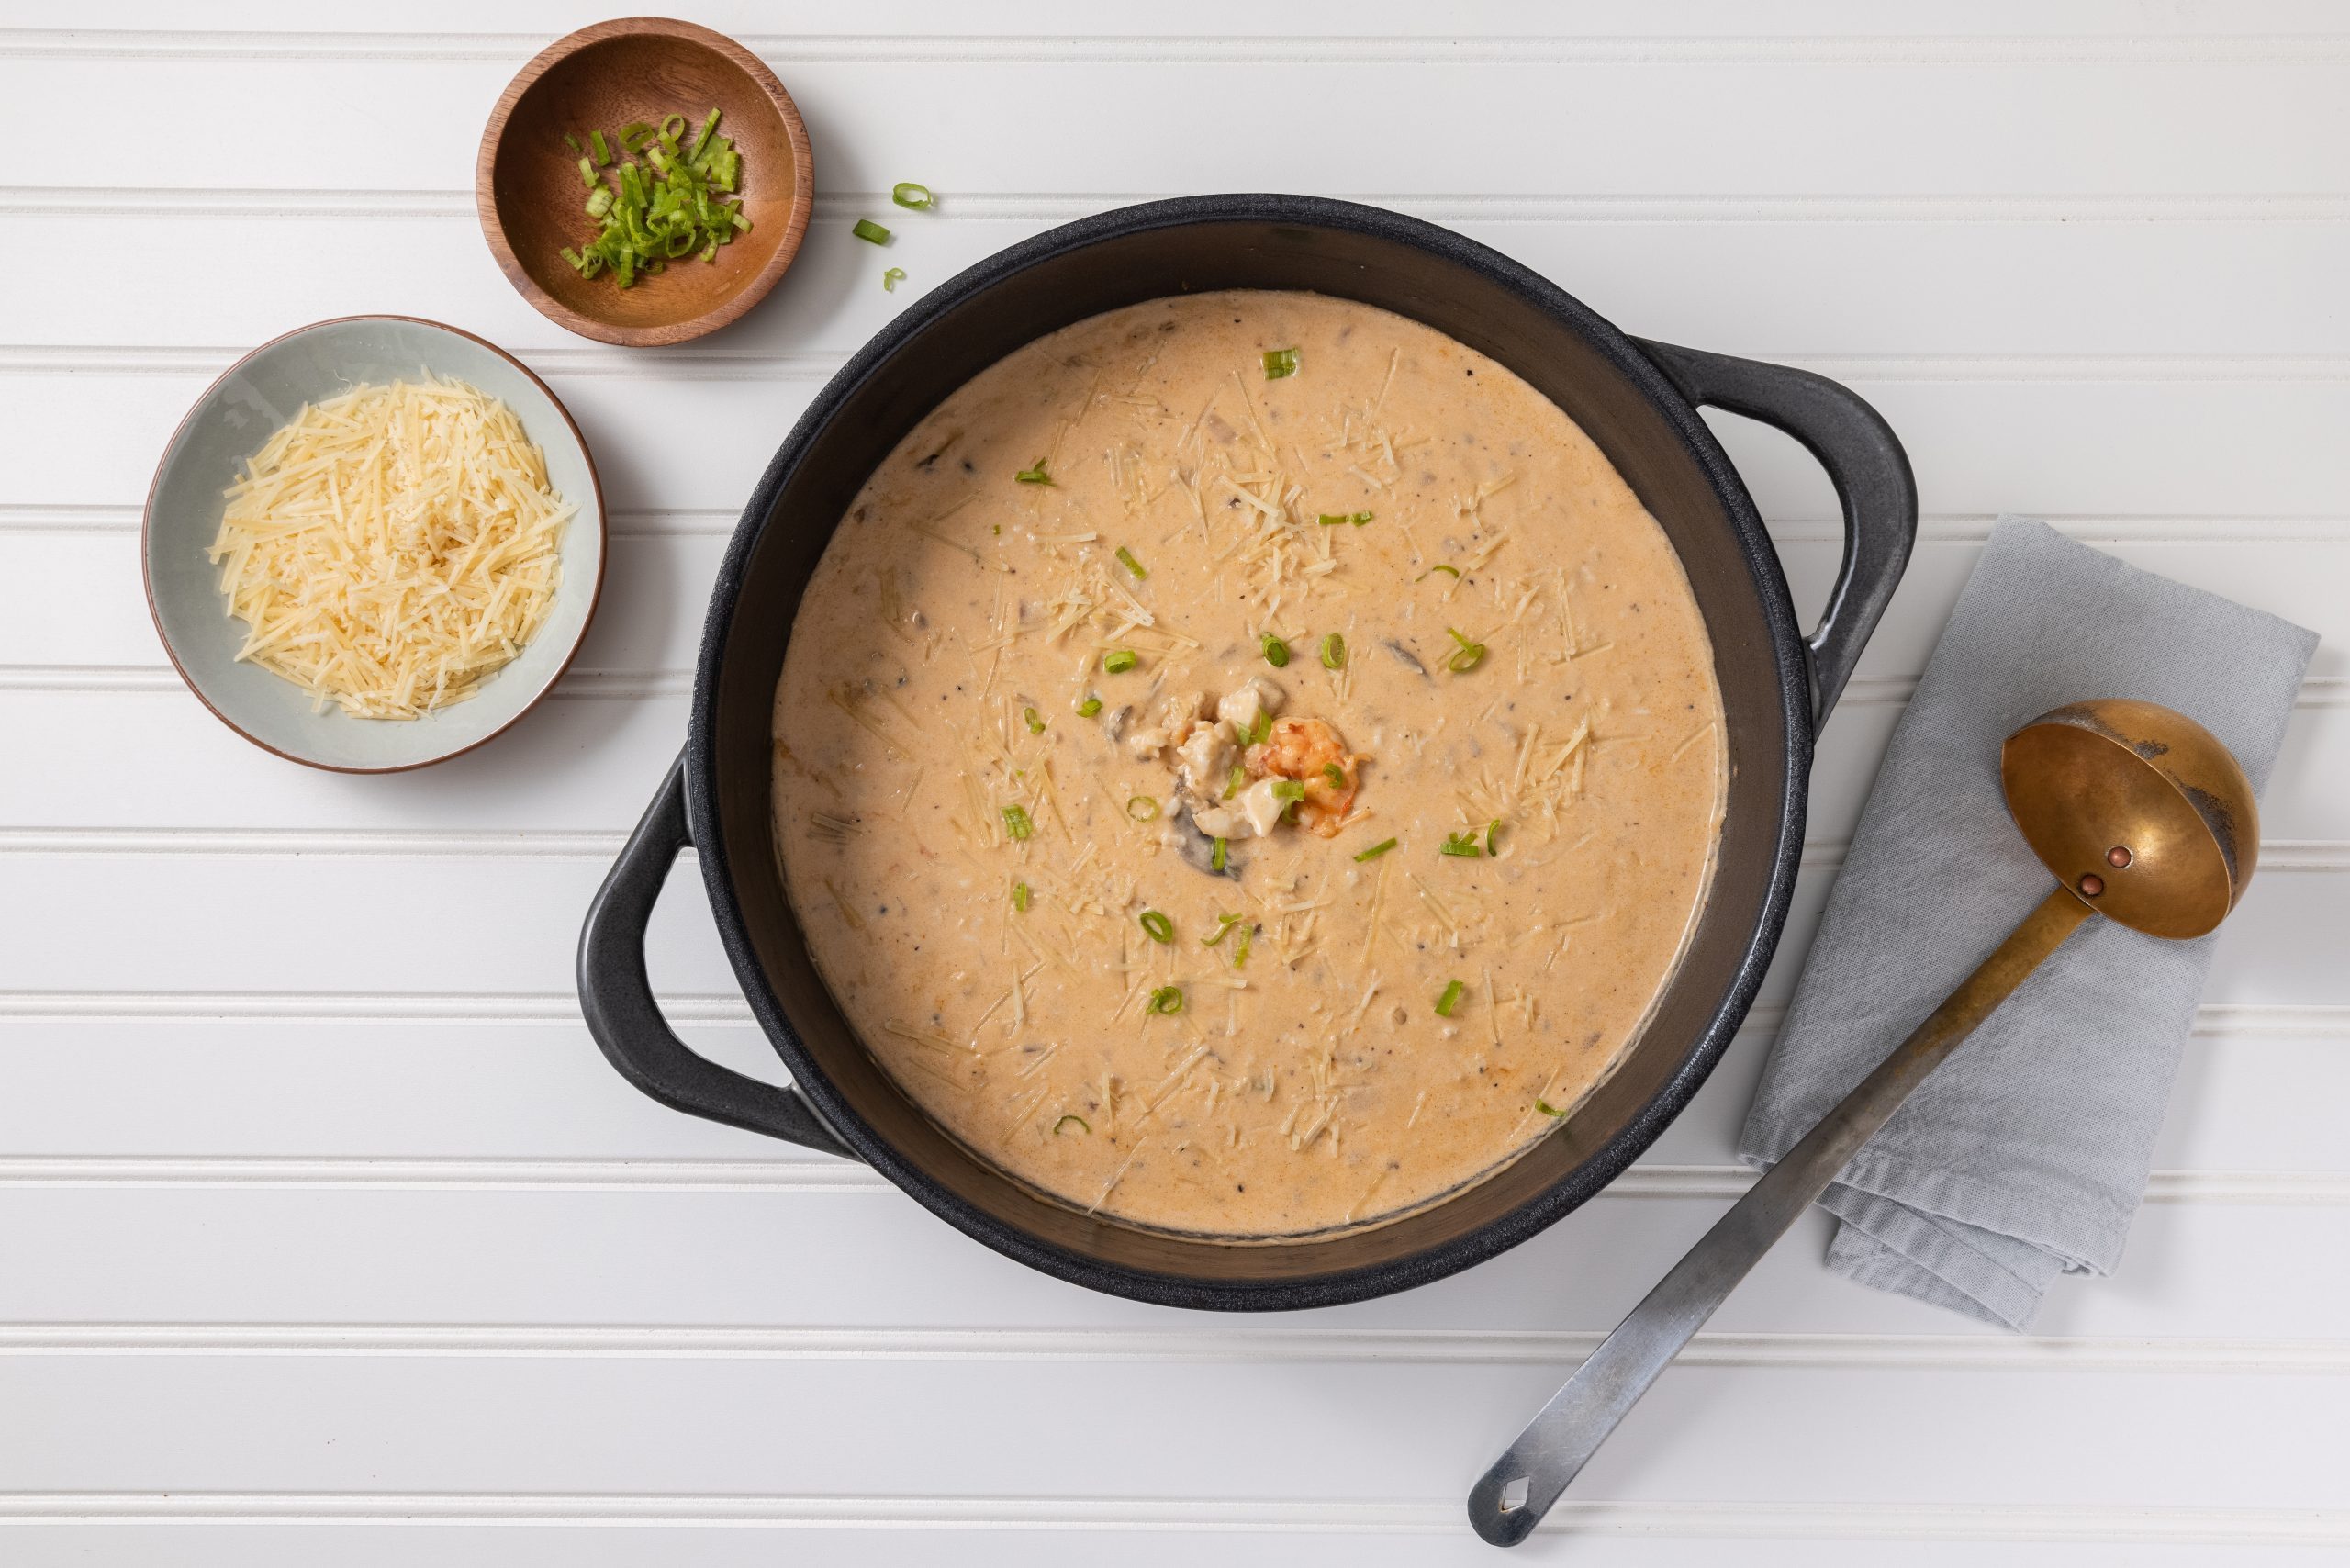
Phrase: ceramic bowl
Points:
(236, 414)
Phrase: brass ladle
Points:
(2145, 818)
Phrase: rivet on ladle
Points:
(2118, 857)
(2091, 884)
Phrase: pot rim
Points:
(1610, 1158)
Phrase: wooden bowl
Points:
(531, 197)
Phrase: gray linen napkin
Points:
(2025, 1155)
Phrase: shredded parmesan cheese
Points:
(391, 548)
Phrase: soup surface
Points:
(1246, 763)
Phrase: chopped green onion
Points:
(1376, 850)
(1288, 790)
(1234, 779)
(1141, 808)
(1127, 559)
(1550, 1110)
(1019, 897)
(1090, 706)
(1157, 926)
(1117, 661)
(1463, 845)
(665, 208)
(1035, 475)
(1240, 948)
(1166, 1000)
(1261, 728)
(1334, 774)
(1491, 828)
(1334, 652)
(1276, 651)
(1467, 657)
(672, 126)
(1332, 519)
(1454, 572)
(1016, 824)
(907, 193)
(1035, 721)
(892, 278)
(1451, 994)
(701, 142)
(1216, 856)
(574, 142)
(1065, 1121)
(1224, 925)
(1280, 363)
(870, 231)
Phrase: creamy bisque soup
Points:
(1246, 763)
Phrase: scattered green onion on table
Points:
(679, 200)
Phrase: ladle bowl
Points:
(2144, 817)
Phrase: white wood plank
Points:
(1757, 286)
(2214, 126)
(389, 1535)
(849, 1255)
(72, 597)
(1722, 24)
(2111, 447)
(579, 770)
(453, 1098)
(506, 925)
(1368, 1433)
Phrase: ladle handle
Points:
(1561, 1440)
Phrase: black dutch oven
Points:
(1638, 400)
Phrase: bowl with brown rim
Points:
(532, 200)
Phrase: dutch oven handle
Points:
(617, 995)
(1865, 462)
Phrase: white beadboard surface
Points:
(344, 1246)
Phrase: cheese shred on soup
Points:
(1247, 765)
